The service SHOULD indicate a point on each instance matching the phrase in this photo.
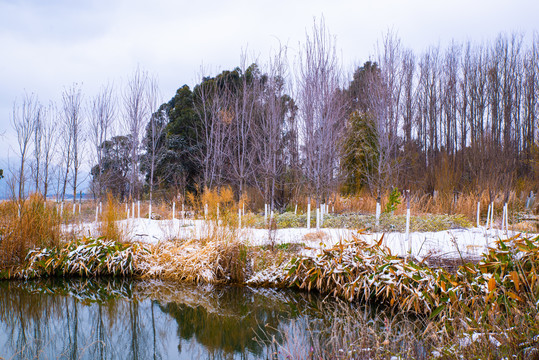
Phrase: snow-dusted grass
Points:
(452, 244)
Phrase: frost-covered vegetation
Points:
(388, 222)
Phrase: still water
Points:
(138, 319)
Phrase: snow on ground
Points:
(469, 243)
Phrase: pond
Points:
(150, 319)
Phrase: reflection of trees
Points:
(49, 319)
(110, 319)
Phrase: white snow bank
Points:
(471, 242)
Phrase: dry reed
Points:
(25, 225)
(108, 226)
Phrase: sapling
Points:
(394, 200)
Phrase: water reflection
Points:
(128, 319)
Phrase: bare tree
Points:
(23, 121)
(102, 116)
(321, 110)
(214, 118)
(243, 99)
(75, 136)
(136, 111)
(155, 130)
(49, 143)
(38, 147)
(271, 129)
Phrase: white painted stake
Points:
(80, 208)
(378, 211)
(478, 212)
(488, 216)
(322, 212)
(183, 214)
(133, 209)
(96, 212)
(239, 218)
(173, 210)
(296, 210)
(408, 230)
(407, 194)
(128, 213)
(205, 211)
(308, 216)
(503, 218)
(100, 207)
(317, 219)
(506, 217)
(265, 213)
(150, 211)
(74, 208)
(492, 215)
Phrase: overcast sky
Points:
(48, 45)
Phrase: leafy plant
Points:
(393, 201)
(85, 257)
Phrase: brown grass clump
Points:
(315, 236)
(25, 225)
(108, 226)
(220, 259)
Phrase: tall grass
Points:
(25, 225)
(108, 226)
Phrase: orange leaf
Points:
(514, 277)
(514, 296)
(491, 284)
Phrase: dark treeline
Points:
(459, 119)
